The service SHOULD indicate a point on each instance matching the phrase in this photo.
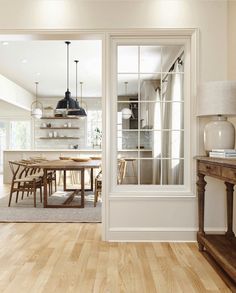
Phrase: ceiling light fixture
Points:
(80, 111)
(126, 112)
(68, 103)
(5, 43)
(36, 106)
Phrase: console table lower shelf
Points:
(221, 253)
(220, 250)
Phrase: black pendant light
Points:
(68, 103)
(80, 112)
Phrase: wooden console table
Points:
(220, 250)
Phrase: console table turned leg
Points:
(201, 183)
(229, 192)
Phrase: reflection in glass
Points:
(127, 140)
(172, 172)
(150, 171)
(150, 115)
(127, 59)
(172, 87)
(172, 144)
(169, 54)
(173, 115)
(151, 136)
(127, 171)
(150, 85)
(130, 121)
(150, 59)
(129, 92)
(127, 154)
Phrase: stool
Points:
(130, 162)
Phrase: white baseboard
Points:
(152, 234)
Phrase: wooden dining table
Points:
(66, 165)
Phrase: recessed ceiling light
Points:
(5, 43)
(37, 73)
(24, 61)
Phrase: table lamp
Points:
(217, 99)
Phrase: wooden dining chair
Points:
(24, 181)
(98, 187)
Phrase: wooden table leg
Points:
(230, 193)
(82, 187)
(64, 180)
(201, 183)
(91, 179)
(45, 195)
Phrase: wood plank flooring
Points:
(61, 258)
(72, 258)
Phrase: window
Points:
(94, 128)
(20, 134)
(150, 122)
(3, 142)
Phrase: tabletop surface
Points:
(67, 164)
(223, 161)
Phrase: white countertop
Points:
(56, 150)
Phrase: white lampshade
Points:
(216, 98)
(126, 113)
(37, 113)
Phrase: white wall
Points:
(232, 40)
(10, 111)
(232, 60)
(140, 218)
(12, 93)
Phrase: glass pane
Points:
(127, 87)
(150, 171)
(173, 87)
(127, 140)
(150, 143)
(173, 115)
(173, 144)
(127, 59)
(127, 154)
(150, 59)
(20, 135)
(172, 172)
(94, 128)
(150, 115)
(169, 55)
(127, 171)
(150, 85)
(127, 115)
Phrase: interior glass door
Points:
(150, 114)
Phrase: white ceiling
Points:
(45, 61)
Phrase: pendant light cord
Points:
(126, 86)
(76, 78)
(36, 92)
(67, 43)
(81, 85)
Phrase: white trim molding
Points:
(128, 201)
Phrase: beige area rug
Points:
(23, 211)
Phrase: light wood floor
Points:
(64, 258)
(72, 258)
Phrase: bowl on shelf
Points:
(64, 158)
(80, 159)
(95, 157)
